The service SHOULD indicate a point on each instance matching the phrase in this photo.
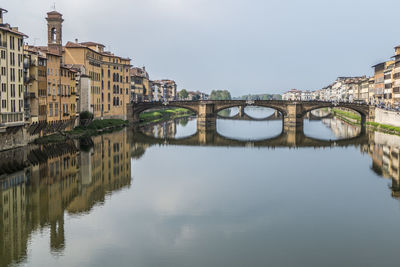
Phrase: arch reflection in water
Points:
(249, 130)
(59, 179)
(229, 112)
(178, 128)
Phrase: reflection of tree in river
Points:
(61, 179)
(183, 121)
(225, 112)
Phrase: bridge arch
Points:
(143, 106)
(362, 110)
(281, 109)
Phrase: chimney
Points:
(2, 12)
(76, 40)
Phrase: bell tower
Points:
(54, 31)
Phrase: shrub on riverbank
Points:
(347, 114)
(384, 127)
(94, 128)
(164, 114)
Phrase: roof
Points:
(138, 72)
(376, 65)
(7, 28)
(88, 44)
(92, 44)
(54, 13)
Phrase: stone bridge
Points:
(292, 112)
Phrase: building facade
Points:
(11, 75)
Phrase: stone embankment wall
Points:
(387, 117)
(15, 137)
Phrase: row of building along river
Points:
(163, 195)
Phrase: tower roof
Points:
(54, 13)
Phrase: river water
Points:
(161, 197)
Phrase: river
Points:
(240, 196)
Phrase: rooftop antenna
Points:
(54, 6)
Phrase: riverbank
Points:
(355, 119)
(163, 115)
(96, 127)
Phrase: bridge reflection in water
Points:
(209, 136)
(384, 149)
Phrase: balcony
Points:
(3, 44)
(29, 78)
(29, 95)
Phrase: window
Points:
(56, 109)
(3, 103)
(51, 109)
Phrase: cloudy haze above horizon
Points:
(253, 46)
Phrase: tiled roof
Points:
(7, 28)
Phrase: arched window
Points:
(53, 35)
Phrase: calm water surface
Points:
(118, 200)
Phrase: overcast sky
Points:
(245, 46)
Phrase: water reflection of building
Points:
(165, 129)
(384, 152)
(61, 178)
(341, 129)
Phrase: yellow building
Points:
(31, 84)
(109, 78)
(396, 77)
(11, 74)
(57, 104)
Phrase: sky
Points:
(244, 46)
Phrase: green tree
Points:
(183, 94)
(220, 95)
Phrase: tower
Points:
(54, 32)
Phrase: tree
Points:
(196, 97)
(183, 94)
(220, 95)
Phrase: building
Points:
(387, 91)
(11, 75)
(306, 95)
(292, 94)
(165, 89)
(379, 78)
(109, 78)
(364, 90)
(140, 88)
(396, 77)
